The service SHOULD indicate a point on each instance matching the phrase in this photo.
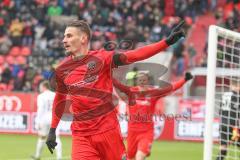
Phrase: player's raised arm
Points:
(121, 87)
(181, 82)
(149, 50)
(164, 91)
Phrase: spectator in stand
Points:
(27, 87)
(112, 20)
(54, 45)
(192, 53)
(178, 53)
(2, 27)
(42, 2)
(6, 75)
(5, 44)
(54, 9)
(16, 31)
(28, 34)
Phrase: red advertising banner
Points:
(18, 115)
(15, 112)
(23, 102)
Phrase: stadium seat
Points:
(3, 87)
(14, 51)
(2, 59)
(10, 59)
(1, 69)
(21, 60)
(25, 51)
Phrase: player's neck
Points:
(44, 90)
(81, 53)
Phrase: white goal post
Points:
(219, 53)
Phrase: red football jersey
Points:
(141, 113)
(87, 82)
(142, 102)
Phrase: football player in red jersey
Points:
(85, 77)
(142, 100)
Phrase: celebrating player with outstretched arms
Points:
(142, 100)
(85, 77)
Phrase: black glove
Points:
(175, 34)
(51, 140)
(188, 76)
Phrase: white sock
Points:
(40, 145)
(58, 148)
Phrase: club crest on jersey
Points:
(91, 65)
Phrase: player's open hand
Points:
(235, 134)
(188, 76)
(176, 34)
(51, 140)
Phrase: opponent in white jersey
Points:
(43, 120)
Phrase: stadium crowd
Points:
(31, 31)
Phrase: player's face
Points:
(142, 80)
(73, 40)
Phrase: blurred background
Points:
(31, 32)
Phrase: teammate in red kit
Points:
(85, 77)
(142, 100)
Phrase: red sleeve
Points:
(143, 52)
(178, 84)
(166, 90)
(60, 100)
(58, 109)
(121, 87)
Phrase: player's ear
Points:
(84, 38)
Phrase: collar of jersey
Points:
(81, 57)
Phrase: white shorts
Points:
(44, 130)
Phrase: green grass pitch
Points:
(20, 147)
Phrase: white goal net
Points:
(223, 95)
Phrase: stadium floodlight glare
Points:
(222, 68)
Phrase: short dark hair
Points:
(45, 84)
(82, 26)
